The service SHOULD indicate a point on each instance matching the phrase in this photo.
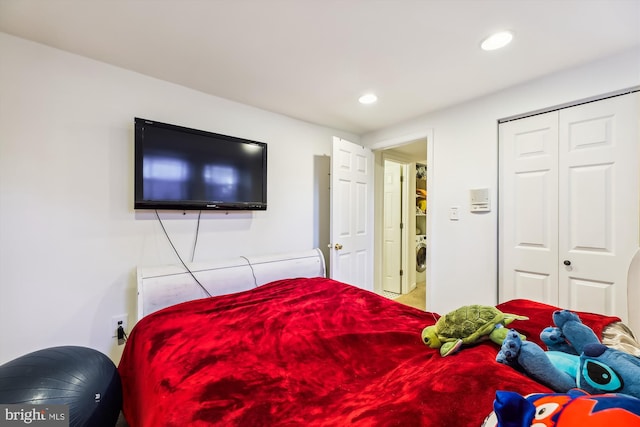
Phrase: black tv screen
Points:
(182, 168)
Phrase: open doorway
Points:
(401, 222)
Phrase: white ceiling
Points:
(312, 59)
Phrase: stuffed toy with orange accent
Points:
(574, 408)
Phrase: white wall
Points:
(463, 254)
(69, 237)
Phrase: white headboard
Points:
(162, 286)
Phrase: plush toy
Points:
(467, 325)
(592, 367)
(575, 408)
(555, 340)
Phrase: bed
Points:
(311, 351)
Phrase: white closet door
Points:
(598, 223)
(569, 205)
(528, 212)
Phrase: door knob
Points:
(567, 262)
(338, 246)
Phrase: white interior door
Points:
(529, 209)
(351, 253)
(392, 231)
(598, 158)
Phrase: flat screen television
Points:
(188, 169)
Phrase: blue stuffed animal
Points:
(555, 340)
(588, 365)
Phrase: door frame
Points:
(426, 133)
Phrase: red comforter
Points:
(312, 352)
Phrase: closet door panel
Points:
(590, 209)
(528, 209)
(598, 210)
(591, 295)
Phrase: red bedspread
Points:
(311, 352)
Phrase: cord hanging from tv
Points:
(188, 169)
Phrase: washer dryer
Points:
(421, 253)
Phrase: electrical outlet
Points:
(119, 320)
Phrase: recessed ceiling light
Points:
(368, 99)
(497, 40)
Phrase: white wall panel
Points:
(69, 238)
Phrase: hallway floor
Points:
(416, 298)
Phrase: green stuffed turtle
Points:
(467, 325)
